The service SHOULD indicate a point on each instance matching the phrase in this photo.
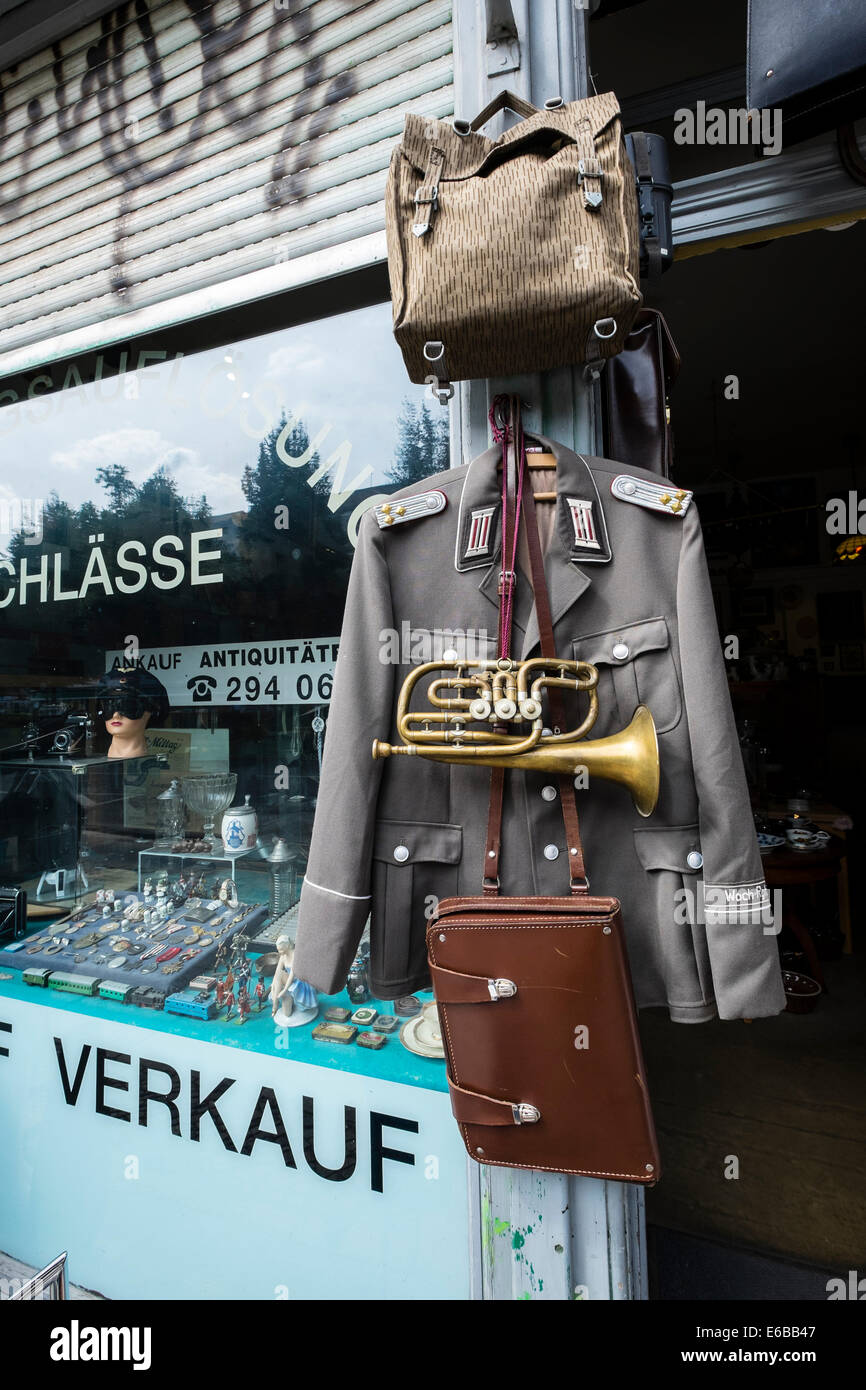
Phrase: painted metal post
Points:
(537, 1235)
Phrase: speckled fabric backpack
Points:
(517, 254)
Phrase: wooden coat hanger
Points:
(537, 457)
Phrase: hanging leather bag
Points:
(517, 254)
(535, 1002)
(635, 393)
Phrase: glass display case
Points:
(64, 824)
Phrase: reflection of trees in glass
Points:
(285, 564)
(289, 534)
(422, 444)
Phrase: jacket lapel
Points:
(579, 534)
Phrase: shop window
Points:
(195, 517)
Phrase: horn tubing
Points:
(630, 758)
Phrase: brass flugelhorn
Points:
(508, 692)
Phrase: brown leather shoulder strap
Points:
(576, 869)
(515, 511)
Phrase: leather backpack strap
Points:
(576, 868)
(504, 101)
(512, 481)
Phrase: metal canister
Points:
(358, 982)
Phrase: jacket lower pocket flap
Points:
(622, 644)
(668, 847)
(424, 841)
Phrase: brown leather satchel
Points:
(538, 1021)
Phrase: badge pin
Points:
(583, 522)
(480, 527)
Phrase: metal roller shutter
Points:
(171, 147)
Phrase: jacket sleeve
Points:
(335, 896)
(741, 933)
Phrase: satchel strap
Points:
(576, 868)
(454, 987)
(472, 1108)
(427, 193)
(513, 468)
(518, 501)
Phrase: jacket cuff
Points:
(330, 926)
(745, 966)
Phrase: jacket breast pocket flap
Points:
(415, 863)
(431, 644)
(636, 664)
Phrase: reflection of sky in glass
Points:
(203, 417)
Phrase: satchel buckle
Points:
(501, 989)
(589, 169)
(419, 229)
(525, 1114)
(507, 581)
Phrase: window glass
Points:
(194, 517)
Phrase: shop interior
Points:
(773, 448)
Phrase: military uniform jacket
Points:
(629, 592)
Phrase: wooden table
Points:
(795, 871)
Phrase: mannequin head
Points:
(129, 699)
(127, 735)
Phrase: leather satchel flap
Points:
(465, 154)
(565, 1045)
(576, 907)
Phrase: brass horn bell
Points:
(506, 692)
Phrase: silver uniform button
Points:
(549, 793)
(551, 852)
(401, 854)
(629, 488)
(694, 859)
(620, 651)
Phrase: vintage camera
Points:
(13, 914)
(72, 735)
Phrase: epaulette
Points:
(658, 497)
(410, 508)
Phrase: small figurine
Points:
(244, 971)
(220, 994)
(293, 1002)
(243, 1004)
(230, 1002)
(260, 993)
(228, 892)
